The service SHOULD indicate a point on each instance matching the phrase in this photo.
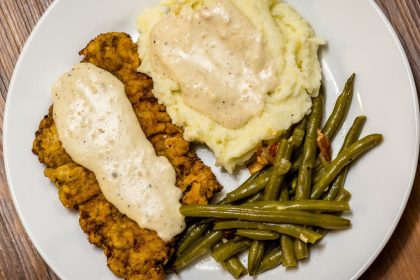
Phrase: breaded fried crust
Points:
(132, 252)
(116, 53)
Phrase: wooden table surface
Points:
(400, 259)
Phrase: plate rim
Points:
(5, 132)
(383, 242)
(403, 204)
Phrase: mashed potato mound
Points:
(293, 44)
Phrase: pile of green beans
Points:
(282, 210)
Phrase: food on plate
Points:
(240, 76)
(116, 53)
(279, 210)
(231, 73)
(96, 123)
(132, 252)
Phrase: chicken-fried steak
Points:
(132, 252)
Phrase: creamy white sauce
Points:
(219, 59)
(98, 128)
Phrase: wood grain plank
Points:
(404, 16)
(20, 260)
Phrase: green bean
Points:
(229, 249)
(344, 195)
(265, 215)
(351, 137)
(322, 231)
(297, 148)
(302, 233)
(337, 185)
(340, 109)
(321, 162)
(298, 133)
(207, 222)
(197, 230)
(354, 131)
(296, 162)
(256, 197)
(286, 242)
(284, 192)
(235, 267)
(258, 234)
(255, 254)
(304, 179)
(297, 137)
(344, 158)
(211, 220)
(318, 173)
(300, 249)
(280, 167)
(285, 164)
(289, 259)
(307, 205)
(274, 185)
(237, 239)
(249, 181)
(218, 244)
(309, 150)
(202, 246)
(248, 189)
(193, 233)
(271, 260)
(288, 188)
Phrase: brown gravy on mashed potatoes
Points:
(219, 59)
(99, 130)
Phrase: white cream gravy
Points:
(98, 128)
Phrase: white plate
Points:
(359, 40)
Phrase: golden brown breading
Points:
(132, 252)
(76, 184)
(116, 53)
(47, 146)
